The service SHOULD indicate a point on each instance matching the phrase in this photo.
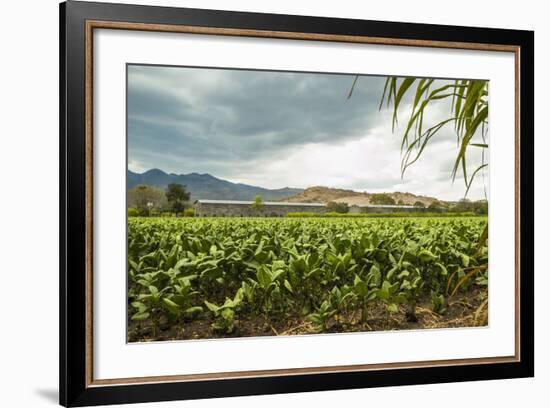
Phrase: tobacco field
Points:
(196, 278)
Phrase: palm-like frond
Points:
(469, 115)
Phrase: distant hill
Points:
(321, 194)
(206, 186)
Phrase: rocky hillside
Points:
(321, 194)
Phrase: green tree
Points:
(381, 199)
(342, 208)
(146, 199)
(419, 204)
(481, 207)
(178, 197)
(258, 203)
(463, 205)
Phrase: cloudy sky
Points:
(281, 129)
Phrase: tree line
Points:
(145, 200)
(464, 205)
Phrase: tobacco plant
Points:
(330, 271)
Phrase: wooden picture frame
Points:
(78, 20)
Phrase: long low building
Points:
(232, 208)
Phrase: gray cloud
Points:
(249, 114)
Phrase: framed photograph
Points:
(256, 203)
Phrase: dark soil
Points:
(466, 310)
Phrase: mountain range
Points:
(206, 186)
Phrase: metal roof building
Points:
(264, 203)
(384, 208)
(235, 208)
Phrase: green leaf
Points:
(375, 276)
(180, 263)
(193, 310)
(384, 291)
(406, 84)
(288, 286)
(426, 256)
(275, 274)
(259, 249)
(140, 316)
(392, 308)
(171, 306)
(212, 307)
(315, 318)
(228, 314)
(264, 277)
(140, 306)
(465, 260)
(442, 268)
(391, 272)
